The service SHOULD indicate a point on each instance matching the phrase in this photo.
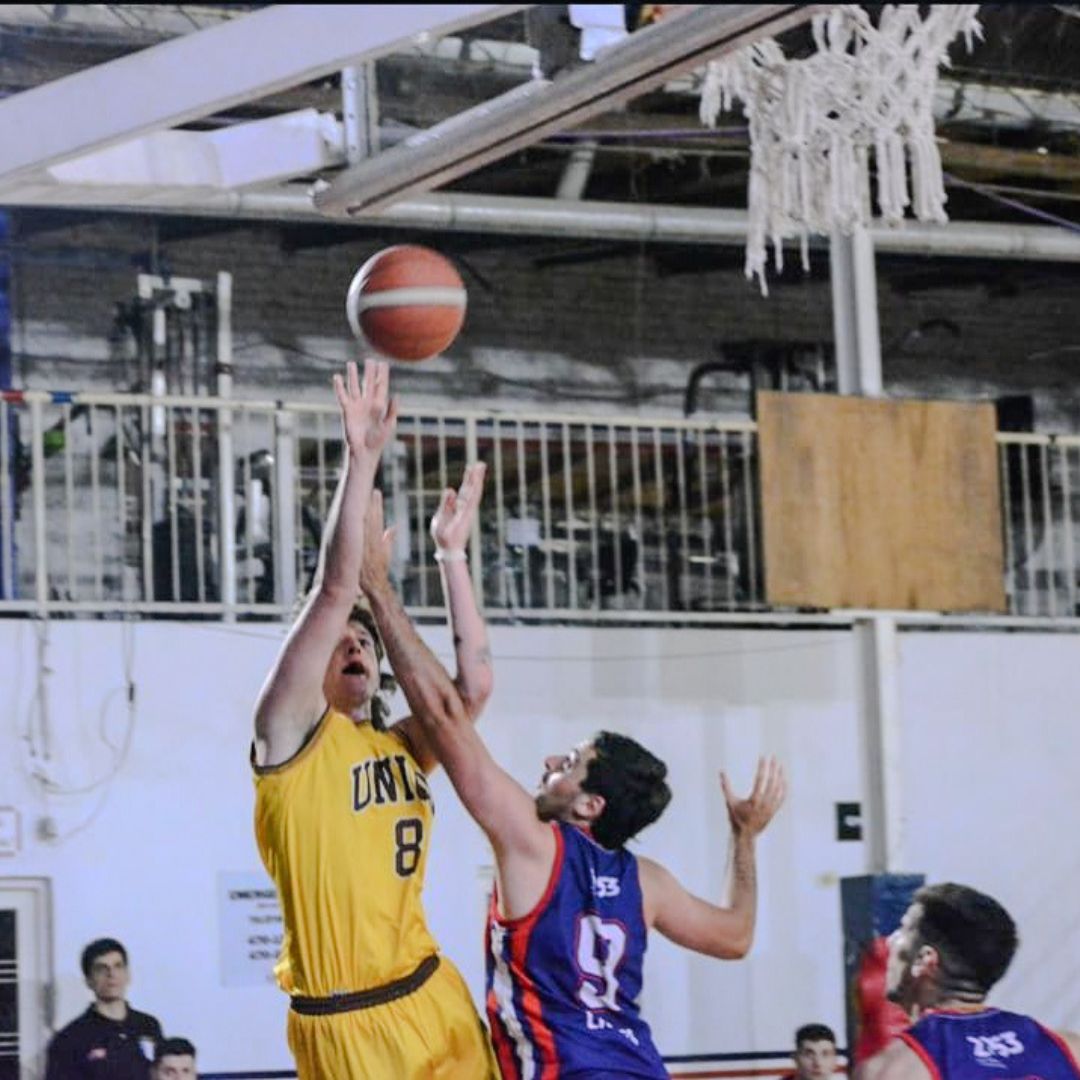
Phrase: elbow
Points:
(741, 949)
(734, 946)
(442, 710)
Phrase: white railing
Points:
(207, 507)
(1040, 504)
(201, 506)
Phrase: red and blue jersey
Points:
(990, 1043)
(563, 981)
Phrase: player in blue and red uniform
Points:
(572, 908)
(952, 946)
(563, 980)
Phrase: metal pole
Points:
(845, 334)
(226, 486)
(285, 508)
(867, 333)
(359, 111)
(877, 654)
(855, 318)
(858, 371)
(37, 484)
(472, 455)
(576, 171)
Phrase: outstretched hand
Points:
(378, 545)
(368, 414)
(453, 521)
(749, 816)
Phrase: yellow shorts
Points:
(431, 1034)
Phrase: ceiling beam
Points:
(489, 131)
(257, 152)
(139, 23)
(209, 70)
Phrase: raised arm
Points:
(421, 675)
(292, 700)
(441, 727)
(450, 529)
(725, 931)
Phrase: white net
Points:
(816, 123)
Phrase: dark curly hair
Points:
(174, 1047)
(631, 780)
(975, 937)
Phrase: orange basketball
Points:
(406, 303)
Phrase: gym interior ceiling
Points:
(1008, 120)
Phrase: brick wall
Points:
(563, 325)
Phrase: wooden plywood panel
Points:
(880, 504)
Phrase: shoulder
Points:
(898, 1061)
(1071, 1042)
(314, 737)
(72, 1028)
(74, 1036)
(657, 884)
(144, 1021)
(654, 878)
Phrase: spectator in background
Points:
(110, 1039)
(815, 1053)
(174, 1060)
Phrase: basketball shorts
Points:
(433, 1033)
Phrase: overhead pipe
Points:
(585, 219)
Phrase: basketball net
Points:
(867, 92)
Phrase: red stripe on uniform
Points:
(504, 1049)
(519, 946)
(1062, 1045)
(500, 1041)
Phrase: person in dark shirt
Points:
(111, 1040)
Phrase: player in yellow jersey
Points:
(343, 816)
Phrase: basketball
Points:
(406, 303)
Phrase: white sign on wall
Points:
(249, 922)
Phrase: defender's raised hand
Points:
(749, 816)
(453, 521)
(368, 414)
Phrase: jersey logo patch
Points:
(604, 886)
(383, 780)
(989, 1050)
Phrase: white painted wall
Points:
(992, 750)
(989, 801)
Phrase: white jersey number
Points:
(600, 947)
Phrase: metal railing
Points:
(1040, 505)
(213, 508)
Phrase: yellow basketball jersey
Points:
(343, 829)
